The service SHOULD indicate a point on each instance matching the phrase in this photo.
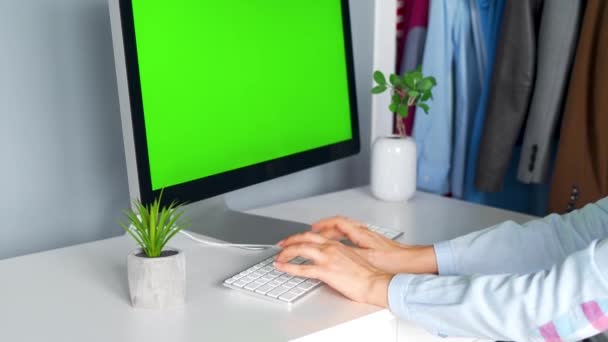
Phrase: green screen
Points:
(227, 84)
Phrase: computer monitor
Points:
(219, 95)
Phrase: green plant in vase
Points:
(410, 89)
(156, 273)
(153, 225)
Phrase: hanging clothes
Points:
(557, 38)
(531, 199)
(412, 24)
(510, 91)
(450, 56)
(581, 171)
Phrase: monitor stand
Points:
(212, 218)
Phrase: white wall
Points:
(63, 176)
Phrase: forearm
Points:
(512, 248)
(510, 307)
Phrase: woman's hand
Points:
(380, 252)
(339, 266)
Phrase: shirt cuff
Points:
(397, 294)
(446, 264)
(601, 257)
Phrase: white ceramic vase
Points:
(157, 283)
(393, 168)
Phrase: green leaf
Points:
(395, 80)
(426, 95)
(409, 81)
(413, 93)
(424, 107)
(403, 111)
(378, 89)
(425, 84)
(393, 107)
(153, 225)
(379, 77)
(417, 75)
(396, 98)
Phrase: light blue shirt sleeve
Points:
(512, 248)
(566, 303)
(544, 280)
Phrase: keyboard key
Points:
(264, 289)
(248, 279)
(254, 285)
(276, 273)
(275, 283)
(266, 279)
(306, 286)
(288, 297)
(297, 282)
(267, 269)
(277, 292)
(239, 283)
(298, 291)
(285, 277)
(230, 280)
(290, 284)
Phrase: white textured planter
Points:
(157, 283)
(393, 168)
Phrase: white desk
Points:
(80, 293)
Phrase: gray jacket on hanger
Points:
(557, 38)
(510, 91)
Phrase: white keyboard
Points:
(264, 281)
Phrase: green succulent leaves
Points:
(152, 226)
(411, 89)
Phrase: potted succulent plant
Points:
(156, 273)
(393, 165)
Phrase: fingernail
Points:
(280, 243)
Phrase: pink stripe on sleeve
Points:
(596, 317)
(549, 333)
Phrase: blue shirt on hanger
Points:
(451, 56)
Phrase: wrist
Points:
(419, 260)
(378, 290)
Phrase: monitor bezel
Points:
(221, 183)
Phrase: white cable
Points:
(224, 244)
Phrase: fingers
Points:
(335, 221)
(307, 271)
(340, 227)
(311, 251)
(307, 237)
